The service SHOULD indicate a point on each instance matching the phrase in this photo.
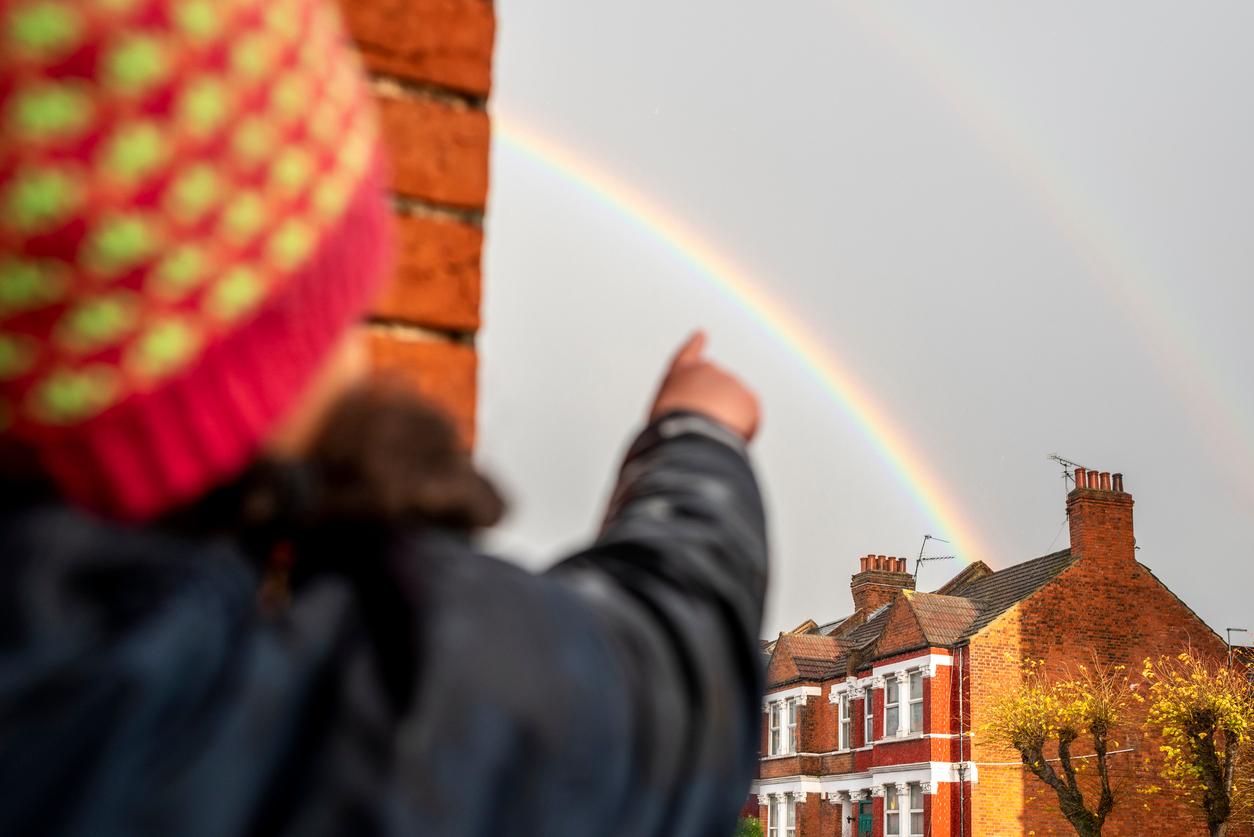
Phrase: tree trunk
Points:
(1218, 829)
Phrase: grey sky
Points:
(1025, 229)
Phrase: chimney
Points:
(878, 580)
(1100, 515)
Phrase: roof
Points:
(974, 570)
(943, 619)
(960, 608)
(997, 592)
(811, 668)
(869, 631)
(828, 628)
(804, 657)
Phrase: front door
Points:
(866, 822)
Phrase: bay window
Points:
(845, 730)
(868, 707)
(782, 726)
(892, 812)
(892, 707)
(916, 811)
(773, 748)
(916, 701)
(782, 817)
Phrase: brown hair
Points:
(382, 459)
(385, 454)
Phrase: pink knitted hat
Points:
(191, 213)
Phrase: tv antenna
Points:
(1068, 469)
(924, 559)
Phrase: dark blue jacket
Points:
(412, 686)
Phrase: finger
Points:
(690, 352)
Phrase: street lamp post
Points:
(1230, 632)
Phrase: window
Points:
(845, 738)
(892, 812)
(783, 728)
(916, 811)
(916, 701)
(792, 726)
(892, 707)
(868, 706)
(782, 817)
(774, 742)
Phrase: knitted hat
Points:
(191, 213)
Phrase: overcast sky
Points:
(1022, 228)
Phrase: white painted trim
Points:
(798, 755)
(801, 693)
(934, 773)
(925, 661)
(912, 736)
(789, 784)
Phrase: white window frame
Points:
(844, 722)
(790, 715)
(781, 735)
(892, 808)
(892, 728)
(916, 788)
(868, 707)
(912, 702)
(781, 816)
(774, 734)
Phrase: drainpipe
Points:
(962, 748)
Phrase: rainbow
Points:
(1112, 260)
(747, 292)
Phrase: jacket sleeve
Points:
(617, 694)
(676, 581)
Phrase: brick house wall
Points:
(1108, 606)
(430, 64)
(1092, 602)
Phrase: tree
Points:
(1041, 712)
(748, 827)
(1204, 714)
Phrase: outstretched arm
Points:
(676, 580)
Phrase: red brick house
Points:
(872, 723)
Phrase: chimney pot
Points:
(1101, 524)
(882, 577)
(1081, 478)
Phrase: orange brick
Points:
(436, 282)
(444, 42)
(439, 152)
(441, 371)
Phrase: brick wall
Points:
(430, 63)
(1108, 605)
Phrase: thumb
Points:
(690, 352)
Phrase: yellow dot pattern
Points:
(165, 167)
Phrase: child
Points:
(238, 593)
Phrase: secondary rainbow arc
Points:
(1114, 263)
